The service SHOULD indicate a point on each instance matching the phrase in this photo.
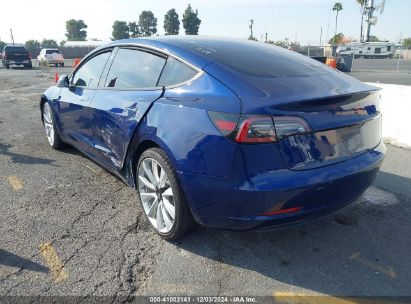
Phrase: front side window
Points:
(175, 72)
(134, 69)
(88, 75)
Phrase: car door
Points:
(129, 89)
(74, 101)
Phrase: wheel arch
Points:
(141, 141)
(43, 100)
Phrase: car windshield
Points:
(255, 58)
(15, 49)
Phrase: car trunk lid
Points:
(18, 56)
(343, 114)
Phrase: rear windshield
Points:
(254, 58)
(15, 49)
(52, 51)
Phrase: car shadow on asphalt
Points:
(357, 252)
(23, 159)
(12, 260)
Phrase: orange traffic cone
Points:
(56, 77)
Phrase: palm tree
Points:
(337, 7)
(362, 3)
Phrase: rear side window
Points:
(134, 69)
(175, 72)
(253, 58)
(88, 75)
(15, 49)
(52, 51)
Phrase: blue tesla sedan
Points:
(225, 133)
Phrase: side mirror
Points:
(63, 81)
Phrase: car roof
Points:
(165, 44)
(14, 45)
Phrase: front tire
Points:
(161, 196)
(49, 123)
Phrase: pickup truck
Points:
(16, 55)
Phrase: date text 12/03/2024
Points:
(202, 299)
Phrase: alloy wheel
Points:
(48, 123)
(156, 195)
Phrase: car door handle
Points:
(85, 99)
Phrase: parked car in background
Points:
(226, 133)
(16, 55)
(51, 56)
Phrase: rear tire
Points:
(7, 66)
(49, 123)
(168, 215)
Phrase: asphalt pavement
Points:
(70, 228)
(382, 70)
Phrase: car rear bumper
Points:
(237, 203)
(15, 62)
(53, 61)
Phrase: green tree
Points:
(49, 43)
(337, 39)
(134, 29)
(171, 23)
(147, 23)
(120, 30)
(2, 45)
(191, 22)
(280, 43)
(32, 44)
(406, 43)
(337, 8)
(76, 30)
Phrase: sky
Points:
(299, 20)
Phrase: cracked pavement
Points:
(96, 230)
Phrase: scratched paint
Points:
(53, 262)
(15, 183)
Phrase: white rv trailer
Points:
(367, 49)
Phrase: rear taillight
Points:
(5, 56)
(256, 129)
(253, 129)
(290, 125)
(30, 56)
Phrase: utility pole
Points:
(362, 22)
(321, 36)
(399, 56)
(251, 28)
(266, 40)
(11, 35)
(370, 12)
